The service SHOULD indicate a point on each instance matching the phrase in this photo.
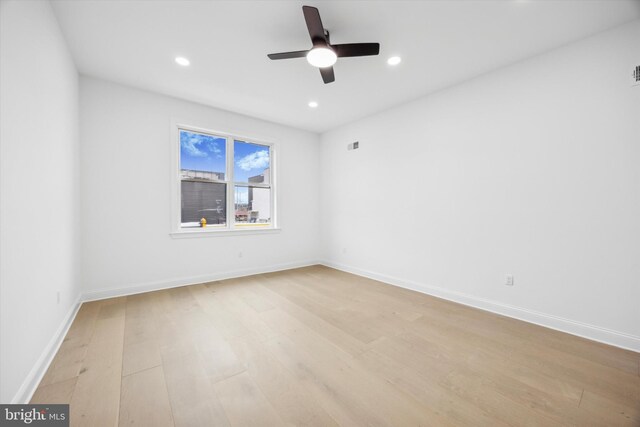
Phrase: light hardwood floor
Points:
(316, 346)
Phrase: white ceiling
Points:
(441, 43)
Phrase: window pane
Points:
(202, 156)
(251, 162)
(202, 199)
(253, 205)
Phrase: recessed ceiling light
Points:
(322, 57)
(313, 104)
(394, 60)
(180, 60)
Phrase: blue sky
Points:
(207, 153)
(249, 160)
(202, 152)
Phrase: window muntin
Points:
(213, 166)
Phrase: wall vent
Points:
(635, 81)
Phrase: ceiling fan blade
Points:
(314, 24)
(288, 55)
(327, 74)
(356, 49)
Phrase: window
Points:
(252, 183)
(225, 182)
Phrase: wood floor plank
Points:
(576, 371)
(96, 398)
(430, 393)
(355, 328)
(345, 390)
(140, 356)
(292, 401)
(331, 365)
(142, 331)
(328, 330)
(191, 395)
(617, 358)
(476, 352)
(603, 409)
(217, 312)
(319, 347)
(244, 403)
(244, 314)
(68, 360)
(144, 400)
(59, 392)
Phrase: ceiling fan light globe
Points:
(322, 57)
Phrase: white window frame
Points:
(230, 228)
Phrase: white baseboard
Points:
(31, 382)
(584, 330)
(185, 281)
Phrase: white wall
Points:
(126, 198)
(39, 190)
(533, 170)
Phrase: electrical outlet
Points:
(508, 280)
(58, 297)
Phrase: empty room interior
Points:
(354, 213)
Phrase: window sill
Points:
(187, 234)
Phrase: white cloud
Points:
(213, 146)
(190, 143)
(257, 160)
(194, 145)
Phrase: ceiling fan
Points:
(323, 54)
